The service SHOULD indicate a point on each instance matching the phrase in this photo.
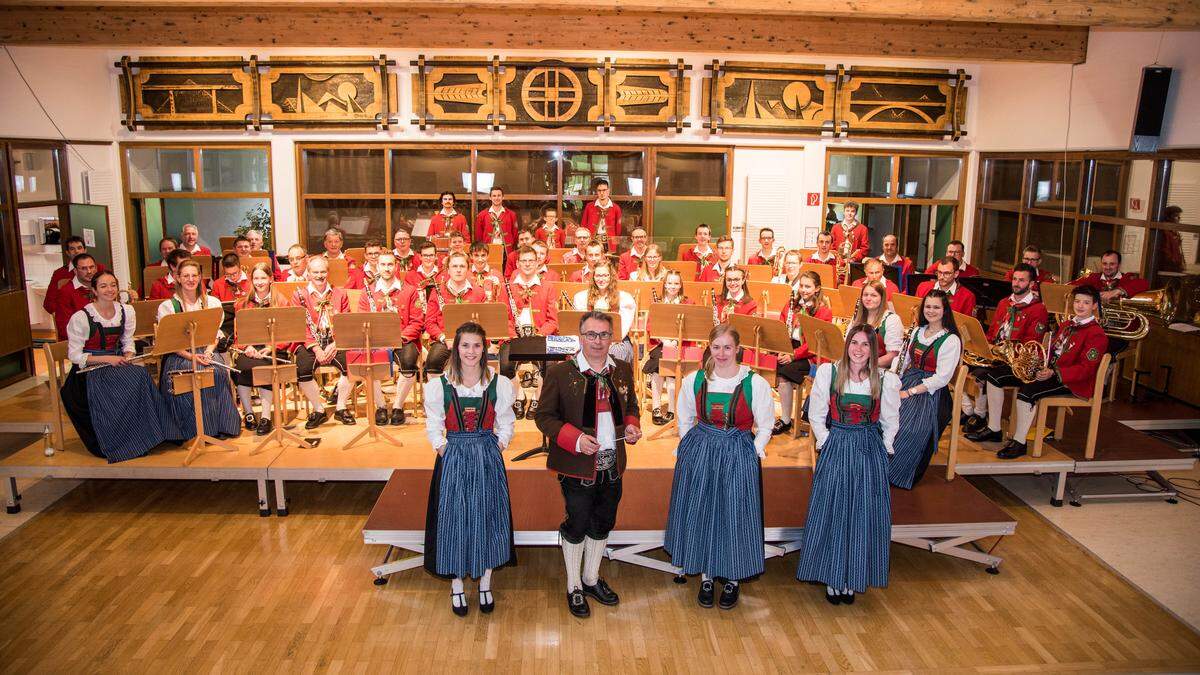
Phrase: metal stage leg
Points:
(382, 571)
(264, 502)
(953, 546)
(281, 505)
(12, 499)
(1060, 486)
(1167, 493)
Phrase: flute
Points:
(98, 366)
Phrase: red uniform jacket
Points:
(277, 299)
(435, 322)
(1127, 281)
(701, 261)
(555, 239)
(199, 250)
(966, 270)
(860, 240)
(748, 306)
(713, 272)
(339, 303)
(545, 273)
(440, 227)
(612, 221)
(760, 259)
(225, 291)
(1029, 322)
(1083, 345)
(803, 352)
(418, 277)
(963, 300)
(581, 276)
(69, 300)
(508, 227)
(61, 274)
(540, 298)
(814, 259)
(403, 262)
(162, 288)
(404, 300)
(627, 263)
(889, 286)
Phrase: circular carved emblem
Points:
(551, 94)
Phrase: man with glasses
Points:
(533, 312)
(957, 250)
(631, 260)
(297, 264)
(589, 411)
(962, 300)
(1032, 255)
(402, 250)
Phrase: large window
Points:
(1076, 206)
(221, 188)
(371, 190)
(913, 195)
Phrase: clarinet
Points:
(792, 310)
(716, 312)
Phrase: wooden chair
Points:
(1134, 353)
(358, 255)
(688, 269)
(152, 274)
(1065, 402)
(960, 387)
(684, 248)
(226, 243)
(761, 273)
(56, 357)
(555, 255)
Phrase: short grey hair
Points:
(595, 316)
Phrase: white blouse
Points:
(893, 332)
(761, 404)
(78, 328)
(435, 410)
(627, 309)
(947, 358)
(168, 307)
(889, 406)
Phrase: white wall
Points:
(1010, 106)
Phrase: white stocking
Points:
(404, 384)
(244, 397)
(995, 406)
(343, 392)
(310, 391)
(786, 391)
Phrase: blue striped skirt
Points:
(469, 524)
(221, 417)
(117, 411)
(849, 526)
(916, 441)
(715, 521)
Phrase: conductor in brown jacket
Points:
(589, 410)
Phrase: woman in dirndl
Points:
(926, 365)
(469, 421)
(115, 408)
(715, 523)
(221, 418)
(854, 410)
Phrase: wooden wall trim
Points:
(496, 29)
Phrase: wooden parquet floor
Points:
(153, 576)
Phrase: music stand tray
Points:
(493, 316)
(823, 338)
(762, 334)
(682, 323)
(270, 326)
(184, 331)
(368, 331)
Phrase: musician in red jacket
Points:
(1020, 317)
(578, 254)
(163, 288)
(602, 217)
(389, 294)
(1032, 255)
(402, 250)
(524, 238)
(962, 300)
(873, 271)
(767, 252)
(702, 252)
(497, 224)
(716, 271)
(427, 273)
(190, 236)
(733, 298)
(549, 230)
(631, 260)
(1075, 354)
(1111, 282)
(481, 273)
(957, 250)
(76, 293)
(533, 311)
(595, 256)
(891, 257)
(850, 230)
(543, 254)
(321, 302)
(794, 367)
(72, 247)
(235, 284)
(455, 289)
(448, 219)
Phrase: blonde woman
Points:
(671, 294)
(602, 295)
(651, 268)
(873, 310)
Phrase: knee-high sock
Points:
(516, 383)
(404, 384)
(572, 556)
(1024, 413)
(969, 404)
(656, 387)
(244, 397)
(670, 384)
(380, 401)
(593, 553)
(995, 406)
(786, 390)
(268, 399)
(485, 581)
(343, 392)
(313, 394)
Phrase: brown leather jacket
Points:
(567, 410)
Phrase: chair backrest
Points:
(758, 272)
(1101, 378)
(358, 255)
(226, 243)
(56, 353)
(555, 255)
(152, 274)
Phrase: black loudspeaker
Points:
(1152, 103)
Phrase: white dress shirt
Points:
(606, 431)
(435, 410)
(761, 404)
(889, 406)
(78, 330)
(627, 309)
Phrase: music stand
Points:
(766, 335)
(701, 292)
(825, 271)
(270, 326)
(904, 305)
(177, 332)
(678, 322)
(1054, 296)
(824, 339)
(368, 331)
(493, 316)
(772, 297)
(972, 334)
(850, 295)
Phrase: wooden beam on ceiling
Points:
(390, 27)
(1178, 14)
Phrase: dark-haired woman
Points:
(115, 409)
(715, 522)
(469, 421)
(448, 219)
(261, 295)
(854, 410)
(927, 364)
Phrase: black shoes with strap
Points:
(578, 604)
(705, 597)
(729, 595)
(602, 593)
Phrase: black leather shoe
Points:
(781, 427)
(847, 598)
(973, 423)
(344, 416)
(398, 417)
(1011, 450)
(486, 602)
(251, 421)
(657, 417)
(833, 598)
(381, 417)
(519, 409)
(578, 605)
(532, 409)
(985, 436)
(316, 419)
(602, 593)
(669, 416)
(264, 427)
(705, 596)
(462, 598)
(729, 595)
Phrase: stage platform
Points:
(938, 516)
